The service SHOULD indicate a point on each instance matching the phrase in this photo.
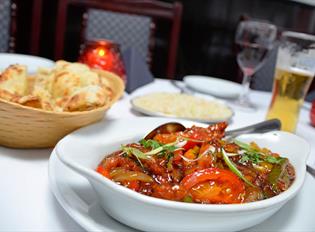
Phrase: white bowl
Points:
(83, 150)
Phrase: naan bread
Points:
(39, 98)
(86, 98)
(66, 78)
(76, 88)
(65, 87)
(13, 83)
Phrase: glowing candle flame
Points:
(101, 52)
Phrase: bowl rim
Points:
(283, 197)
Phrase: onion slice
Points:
(120, 174)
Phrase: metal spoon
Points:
(166, 128)
(261, 127)
(310, 170)
(183, 89)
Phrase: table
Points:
(27, 204)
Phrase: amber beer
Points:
(289, 89)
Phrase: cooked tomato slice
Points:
(214, 185)
(168, 191)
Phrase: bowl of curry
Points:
(192, 180)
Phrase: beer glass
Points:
(295, 69)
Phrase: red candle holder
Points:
(103, 54)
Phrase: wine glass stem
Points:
(243, 98)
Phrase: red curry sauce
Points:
(198, 165)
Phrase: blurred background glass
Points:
(254, 41)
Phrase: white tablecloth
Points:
(26, 202)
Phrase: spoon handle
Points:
(310, 170)
(182, 88)
(265, 126)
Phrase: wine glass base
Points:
(244, 105)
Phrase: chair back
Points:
(7, 9)
(9, 25)
(130, 23)
(125, 29)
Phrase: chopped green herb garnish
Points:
(255, 156)
(251, 156)
(274, 160)
(244, 159)
(150, 143)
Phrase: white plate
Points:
(32, 62)
(213, 86)
(77, 197)
(145, 111)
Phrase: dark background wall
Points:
(207, 35)
(207, 38)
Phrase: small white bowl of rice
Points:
(184, 106)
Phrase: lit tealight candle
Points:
(104, 55)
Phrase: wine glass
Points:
(254, 40)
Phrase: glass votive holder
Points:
(105, 55)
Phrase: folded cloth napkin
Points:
(137, 70)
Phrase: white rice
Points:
(183, 105)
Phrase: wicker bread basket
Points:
(26, 127)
